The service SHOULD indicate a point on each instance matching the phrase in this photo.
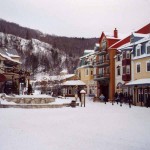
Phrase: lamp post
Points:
(82, 97)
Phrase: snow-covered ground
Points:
(98, 126)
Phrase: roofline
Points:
(138, 31)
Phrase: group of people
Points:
(119, 97)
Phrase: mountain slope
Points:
(47, 52)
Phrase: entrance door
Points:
(105, 91)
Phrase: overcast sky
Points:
(77, 18)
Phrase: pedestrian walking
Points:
(102, 98)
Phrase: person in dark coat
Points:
(129, 100)
(29, 89)
(115, 96)
(79, 95)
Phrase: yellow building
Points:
(141, 71)
(85, 71)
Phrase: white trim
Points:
(138, 47)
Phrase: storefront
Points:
(141, 92)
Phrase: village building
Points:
(140, 61)
(53, 85)
(104, 65)
(13, 80)
(85, 71)
(123, 68)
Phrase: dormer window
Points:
(138, 50)
(104, 44)
(148, 47)
(131, 39)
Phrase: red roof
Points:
(144, 30)
(111, 40)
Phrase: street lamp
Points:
(82, 97)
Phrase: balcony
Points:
(102, 63)
(102, 76)
(126, 77)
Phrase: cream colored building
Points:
(85, 71)
(141, 71)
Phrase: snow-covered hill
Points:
(38, 56)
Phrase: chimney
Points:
(116, 33)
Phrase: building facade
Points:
(12, 78)
(85, 71)
(105, 66)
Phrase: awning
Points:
(2, 78)
(145, 81)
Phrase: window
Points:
(138, 50)
(118, 57)
(86, 72)
(107, 56)
(131, 39)
(101, 71)
(124, 55)
(128, 55)
(128, 69)
(101, 59)
(138, 67)
(104, 43)
(91, 72)
(148, 66)
(118, 71)
(124, 70)
(70, 91)
(148, 47)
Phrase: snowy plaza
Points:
(97, 126)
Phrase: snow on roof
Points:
(64, 71)
(140, 82)
(124, 46)
(7, 57)
(97, 45)
(46, 77)
(9, 54)
(87, 55)
(111, 37)
(144, 39)
(74, 82)
(88, 51)
(139, 35)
